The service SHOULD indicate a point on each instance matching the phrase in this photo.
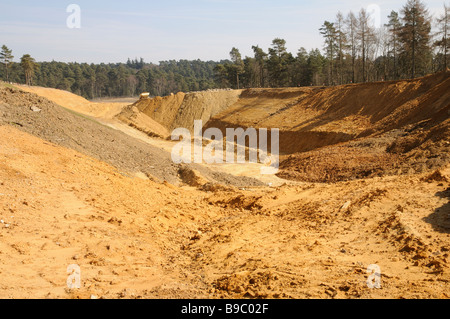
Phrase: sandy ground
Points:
(156, 241)
(136, 238)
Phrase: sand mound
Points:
(203, 106)
(76, 103)
(377, 155)
(66, 128)
(191, 177)
(162, 109)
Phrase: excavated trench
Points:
(358, 130)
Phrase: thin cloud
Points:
(205, 29)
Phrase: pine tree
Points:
(238, 64)
(329, 33)
(301, 76)
(341, 44)
(394, 27)
(29, 66)
(365, 34)
(352, 26)
(316, 64)
(221, 76)
(443, 42)
(260, 66)
(278, 63)
(6, 58)
(415, 37)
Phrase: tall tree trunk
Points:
(7, 73)
(413, 71)
(445, 38)
(395, 60)
(364, 59)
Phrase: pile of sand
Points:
(133, 117)
(77, 103)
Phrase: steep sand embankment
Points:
(370, 129)
(352, 131)
(309, 118)
(179, 110)
(43, 118)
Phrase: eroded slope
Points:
(135, 238)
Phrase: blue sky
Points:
(112, 31)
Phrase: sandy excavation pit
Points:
(364, 179)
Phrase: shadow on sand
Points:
(440, 218)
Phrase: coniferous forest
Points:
(411, 44)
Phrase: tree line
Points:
(113, 79)
(355, 50)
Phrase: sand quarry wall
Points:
(308, 118)
(180, 110)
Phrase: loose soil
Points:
(78, 186)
